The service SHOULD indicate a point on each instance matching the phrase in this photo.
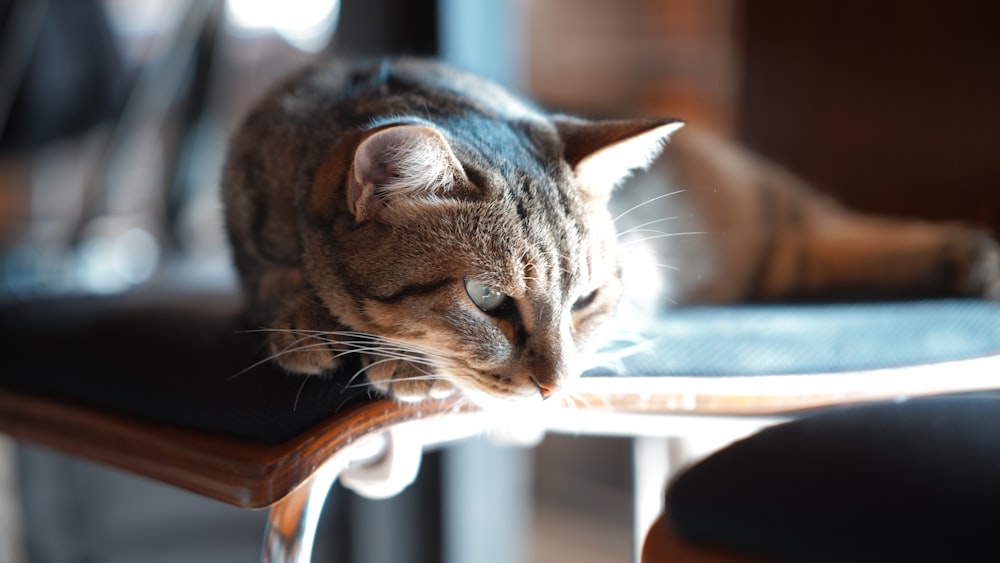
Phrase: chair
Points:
(157, 383)
(901, 481)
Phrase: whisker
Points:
(428, 377)
(462, 401)
(636, 231)
(350, 342)
(572, 401)
(663, 235)
(350, 382)
(365, 368)
(287, 349)
(580, 401)
(346, 400)
(639, 228)
(298, 394)
(389, 354)
(647, 202)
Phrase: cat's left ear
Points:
(398, 167)
(604, 153)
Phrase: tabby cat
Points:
(460, 240)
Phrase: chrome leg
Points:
(487, 503)
(651, 465)
(291, 526)
(656, 460)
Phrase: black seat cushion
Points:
(177, 358)
(182, 357)
(912, 481)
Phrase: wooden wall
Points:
(653, 57)
(892, 106)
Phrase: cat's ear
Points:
(400, 165)
(604, 153)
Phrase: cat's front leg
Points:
(304, 338)
(307, 340)
(407, 381)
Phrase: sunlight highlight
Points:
(305, 24)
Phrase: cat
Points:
(461, 240)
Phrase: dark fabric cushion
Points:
(177, 358)
(183, 357)
(912, 481)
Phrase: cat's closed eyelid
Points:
(586, 300)
(415, 290)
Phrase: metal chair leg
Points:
(291, 526)
(655, 461)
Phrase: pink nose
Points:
(546, 389)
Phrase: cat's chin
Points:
(516, 400)
(494, 402)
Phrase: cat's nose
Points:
(546, 389)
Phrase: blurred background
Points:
(114, 116)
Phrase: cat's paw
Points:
(300, 339)
(987, 268)
(983, 259)
(407, 382)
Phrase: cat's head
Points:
(498, 260)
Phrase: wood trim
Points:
(663, 545)
(234, 471)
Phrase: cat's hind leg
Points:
(849, 255)
(778, 239)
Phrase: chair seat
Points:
(149, 382)
(907, 482)
(177, 358)
(771, 359)
(790, 339)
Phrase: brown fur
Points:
(770, 237)
(362, 198)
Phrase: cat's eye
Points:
(585, 301)
(485, 297)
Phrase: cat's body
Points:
(770, 237)
(458, 238)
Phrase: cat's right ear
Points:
(604, 153)
(400, 166)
